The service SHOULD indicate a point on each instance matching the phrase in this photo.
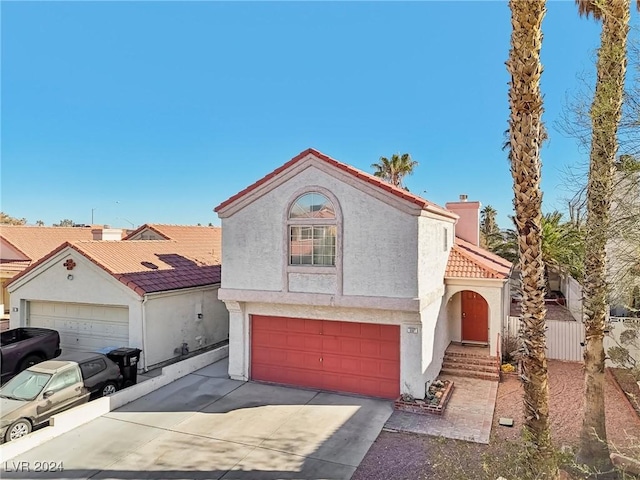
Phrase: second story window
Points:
(312, 231)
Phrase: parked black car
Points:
(20, 348)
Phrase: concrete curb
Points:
(78, 416)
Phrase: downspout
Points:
(144, 332)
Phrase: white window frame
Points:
(312, 224)
(288, 268)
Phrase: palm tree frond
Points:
(589, 7)
(393, 170)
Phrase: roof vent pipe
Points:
(463, 197)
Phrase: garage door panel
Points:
(350, 346)
(338, 364)
(313, 343)
(275, 323)
(372, 331)
(390, 332)
(306, 326)
(261, 337)
(276, 340)
(388, 369)
(343, 329)
(370, 348)
(388, 351)
(331, 355)
(82, 327)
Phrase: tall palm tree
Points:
(562, 245)
(605, 113)
(395, 169)
(526, 134)
(489, 231)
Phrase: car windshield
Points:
(27, 385)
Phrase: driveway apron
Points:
(207, 426)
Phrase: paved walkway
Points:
(468, 415)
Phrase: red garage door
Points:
(342, 356)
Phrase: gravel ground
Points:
(566, 406)
(408, 456)
(630, 385)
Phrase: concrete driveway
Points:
(207, 426)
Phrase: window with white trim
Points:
(312, 231)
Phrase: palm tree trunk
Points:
(606, 112)
(525, 138)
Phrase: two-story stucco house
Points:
(337, 280)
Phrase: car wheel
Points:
(18, 429)
(29, 361)
(108, 388)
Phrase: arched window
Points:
(312, 231)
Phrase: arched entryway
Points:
(475, 318)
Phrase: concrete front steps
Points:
(469, 364)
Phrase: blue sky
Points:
(159, 111)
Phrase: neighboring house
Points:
(157, 295)
(623, 248)
(22, 245)
(337, 280)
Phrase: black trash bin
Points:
(127, 359)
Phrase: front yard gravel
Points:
(410, 456)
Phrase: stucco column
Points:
(411, 379)
(238, 341)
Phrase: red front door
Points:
(342, 356)
(475, 318)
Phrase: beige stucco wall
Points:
(389, 269)
(435, 238)
(379, 243)
(468, 226)
(172, 319)
(495, 292)
(90, 285)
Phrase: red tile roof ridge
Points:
(399, 192)
(498, 268)
(34, 242)
(14, 246)
(45, 227)
(39, 262)
(483, 252)
(139, 242)
(468, 255)
(157, 227)
(142, 228)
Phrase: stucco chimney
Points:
(468, 226)
(107, 233)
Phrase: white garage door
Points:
(82, 327)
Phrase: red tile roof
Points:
(202, 243)
(367, 177)
(148, 266)
(36, 242)
(145, 266)
(467, 260)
